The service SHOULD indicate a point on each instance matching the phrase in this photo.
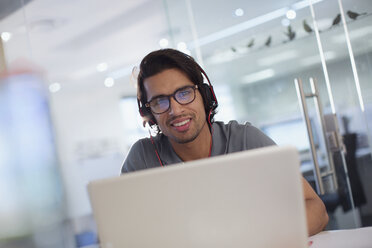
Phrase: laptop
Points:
(246, 199)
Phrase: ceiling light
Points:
(239, 12)
(54, 87)
(291, 14)
(257, 76)
(163, 43)
(102, 67)
(109, 82)
(5, 36)
(181, 46)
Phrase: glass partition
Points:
(258, 52)
(349, 72)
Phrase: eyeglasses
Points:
(161, 104)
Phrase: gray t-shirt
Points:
(227, 138)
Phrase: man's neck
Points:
(198, 148)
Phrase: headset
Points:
(206, 91)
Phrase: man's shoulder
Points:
(234, 126)
(245, 135)
(139, 145)
(143, 145)
(135, 159)
(142, 154)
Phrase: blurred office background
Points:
(68, 111)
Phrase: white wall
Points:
(89, 137)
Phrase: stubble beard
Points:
(188, 139)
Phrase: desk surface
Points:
(355, 238)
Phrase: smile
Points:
(178, 124)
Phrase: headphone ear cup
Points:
(146, 112)
(209, 96)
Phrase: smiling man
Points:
(173, 97)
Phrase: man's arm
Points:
(316, 214)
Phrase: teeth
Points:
(181, 123)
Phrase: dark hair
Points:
(163, 59)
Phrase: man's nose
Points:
(175, 107)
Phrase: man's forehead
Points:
(165, 83)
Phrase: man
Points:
(173, 97)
